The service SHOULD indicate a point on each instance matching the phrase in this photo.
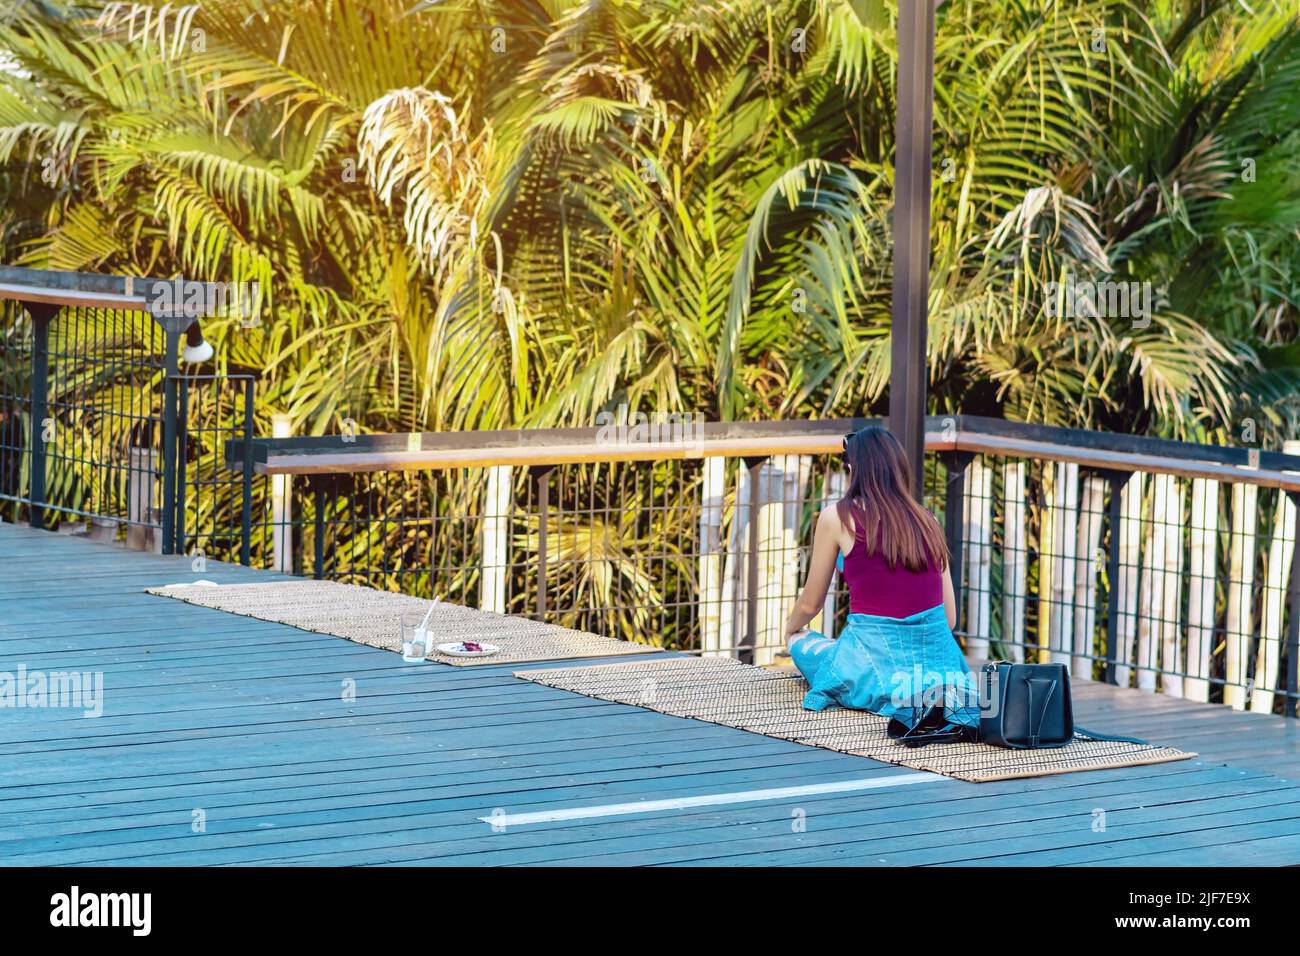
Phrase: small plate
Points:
(457, 649)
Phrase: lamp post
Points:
(914, 132)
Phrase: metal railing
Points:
(102, 432)
(1162, 565)
(1159, 564)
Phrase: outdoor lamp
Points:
(196, 348)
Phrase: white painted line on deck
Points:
(711, 799)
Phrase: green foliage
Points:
(502, 213)
(484, 214)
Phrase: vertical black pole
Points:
(1293, 617)
(246, 519)
(542, 479)
(1117, 482)
(42, 314)
(750, 642)
(318, 558)
(172, 340)
(912, 167)
(953, 519)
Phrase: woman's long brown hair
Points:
(880, 506)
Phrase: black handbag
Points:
(1028, 707)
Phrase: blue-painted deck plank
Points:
(245, 719)
(839, 838)
(703, 835)
(308, 800)
(175, 842)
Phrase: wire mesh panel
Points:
(413, 532)
(215, 504)
(82, 409)
(705, 555)
(15, 410)
(616, 546)
(95, 434)
(1167, 584)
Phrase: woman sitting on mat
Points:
(897, 650)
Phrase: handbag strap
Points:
(1093, 735)
(1041, 690)
(931, 727)
(1038, 709)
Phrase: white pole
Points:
(979, 553)
(1200, 597)
(798, 471)
(735, 597)
(1085, 579)
(281, 506)
(713, 488)
(1153, 586)
(1065, 540)
(778, 567)
(1171, 656)
(769, 514)
(1241, 593)
(141, 493)
(1130, 554)
(1014, 558)
(1280, 551)
(496, 538)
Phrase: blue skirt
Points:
(887, 665)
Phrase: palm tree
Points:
(468, 196)
(494, 213)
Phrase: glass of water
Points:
(417, 640)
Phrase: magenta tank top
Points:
(875, 589)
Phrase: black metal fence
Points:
(82, 407)
(1110, 553)
(1160, 565)
(1149, 579)
(614, 547)
(101, 433)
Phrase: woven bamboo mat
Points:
(727, 692)
(373, 617)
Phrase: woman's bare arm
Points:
(949, 598)
(821, 569)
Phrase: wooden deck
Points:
(243, 725)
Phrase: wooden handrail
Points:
(1097, 451)
(87, 290)
(73, 298)
(1103, 460)
(488, 455)
(84, 290)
